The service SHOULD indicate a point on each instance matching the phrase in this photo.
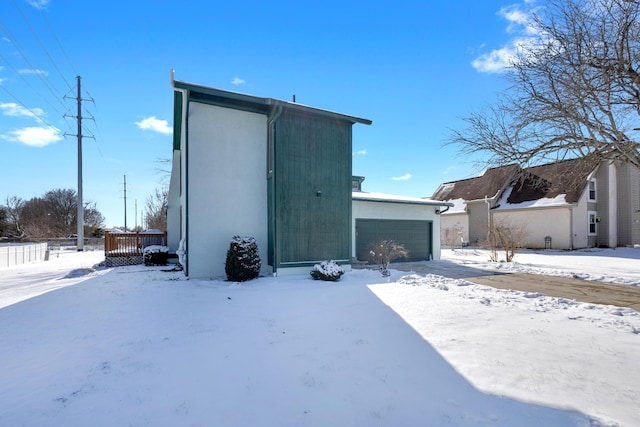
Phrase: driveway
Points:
(562, 287)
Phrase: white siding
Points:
(612, 207)
(478, 221)
(453, 221)
(400, 211)
(581, 223)
(540, 223)
(628, 205)
(227, 185)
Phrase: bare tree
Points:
(452, 236)
(4, 225)
(53, 215)
(574, 90)
(505, 235)
(156, 215)
(62, 206)
(385, 251)
(13, 209)
(93, 220)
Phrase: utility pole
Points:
(125, 203)
(79, 202)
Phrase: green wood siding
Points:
(311, 189)
(177, 119)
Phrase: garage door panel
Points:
(414, 235)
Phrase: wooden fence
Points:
(127, 248)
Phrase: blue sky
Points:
(413, 67)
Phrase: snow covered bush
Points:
(384, 252)
(155, 255)
(243, 262)
(327, 270)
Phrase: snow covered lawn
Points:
(138, 346)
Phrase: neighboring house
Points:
(410, 221)
(564, 205)
(471, 199)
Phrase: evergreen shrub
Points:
(155, 255)
(243, 261)
(327, 270)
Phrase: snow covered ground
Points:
(142, 347)
(620, 265)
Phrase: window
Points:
(592, 190)
(593, 223)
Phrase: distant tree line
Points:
(53, 215)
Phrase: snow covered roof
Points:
(551, 185)
(392, 198)
(566, 178)
(459, 206)
(559, 200)
(490, 184)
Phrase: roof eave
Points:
(401, 201)
(259, 104)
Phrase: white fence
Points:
(17, 254)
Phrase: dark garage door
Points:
(414, 235)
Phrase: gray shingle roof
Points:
(492, 182)
(567, 177)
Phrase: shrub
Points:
(506, 236)
(384, 252)
(327, 270)
(243, 262)
(453, 236)
(155, 255)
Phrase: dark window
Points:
(592, 190)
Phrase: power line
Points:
(55, 37)
(14, 42)
(35, 115)
(95, 122)
(30, 86)
(26, 20)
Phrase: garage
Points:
(411, 221)
(414, 235)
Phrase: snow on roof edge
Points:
(392, 198)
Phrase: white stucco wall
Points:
(539, 223)
(362, 209)
(174, 205)
(227, 186)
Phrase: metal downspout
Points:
(271, 122)
(571, 228)
(439, 212)
(486, 200)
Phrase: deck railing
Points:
(130, 245)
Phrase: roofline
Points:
(425, 202)
(258, 103)
(531, 208)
